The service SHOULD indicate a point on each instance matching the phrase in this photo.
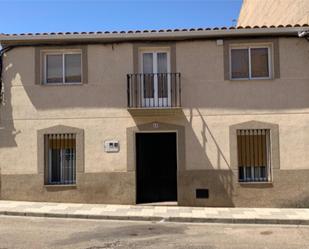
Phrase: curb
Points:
(161, 218)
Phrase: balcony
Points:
(154, 91)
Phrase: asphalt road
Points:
(33, 233)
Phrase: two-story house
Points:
(203, 117)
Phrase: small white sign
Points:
(111, 146)
(155, 125)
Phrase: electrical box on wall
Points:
(111, 146)
(220, 42)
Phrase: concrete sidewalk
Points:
(156, 213)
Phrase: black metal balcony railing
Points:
(154, 90)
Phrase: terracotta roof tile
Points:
(159, 31)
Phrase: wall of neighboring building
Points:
(274, 12)
(212, 106)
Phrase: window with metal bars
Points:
(254, 155)
(60, 158)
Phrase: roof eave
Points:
(151, 36)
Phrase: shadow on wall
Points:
(111, 92)
(7, 129)
(200, 171)
(216, 174)
(108, 88)
(297, 202)
(219, 95)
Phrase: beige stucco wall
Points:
(98, 107)
(210, 106)
(274, 12)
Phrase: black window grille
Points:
(254, 155)
(60, 158)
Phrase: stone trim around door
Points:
(60, 129)
(155, 127)
(274, 141)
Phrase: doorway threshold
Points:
(163, 203)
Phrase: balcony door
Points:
(156, 83)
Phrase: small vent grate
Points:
(202, 193)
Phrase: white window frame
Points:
(62, 53)
(155, 51)
(249, 47)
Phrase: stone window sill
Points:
(248, 184)
(60, 185)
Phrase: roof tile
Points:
(159, 31)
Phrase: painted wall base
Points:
(289, 189)
(112, 188)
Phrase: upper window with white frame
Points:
(250, 62)
(63, 67)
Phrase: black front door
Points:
(156, 167)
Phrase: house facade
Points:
(199, 117)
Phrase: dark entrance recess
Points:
(156, 167)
